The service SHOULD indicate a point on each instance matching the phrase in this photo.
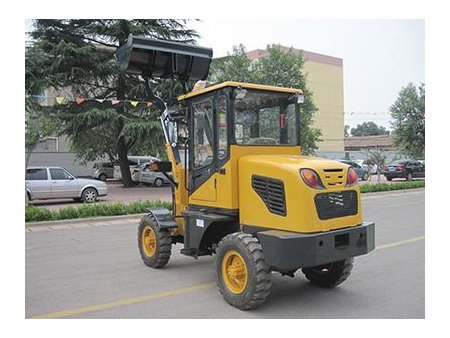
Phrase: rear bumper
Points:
(289, 251)
(395, 174)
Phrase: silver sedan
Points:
(144, 174)
(57, 182)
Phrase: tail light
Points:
(311, 178)
(352, 177)
(401, 168)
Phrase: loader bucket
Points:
(163, 59)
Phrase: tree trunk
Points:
(122, 151)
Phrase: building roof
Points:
(383, 141)
(308, 56)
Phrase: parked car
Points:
(133, 162)
(407, 169)
(144, 174)
(57, 182)
(102, 170)
(363, 172)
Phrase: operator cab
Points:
(236, 114)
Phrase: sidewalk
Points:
(83, 223)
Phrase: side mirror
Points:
(163, 167)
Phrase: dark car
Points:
(407, 169)
(363, 172)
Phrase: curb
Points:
(84, 220)
(391, 192)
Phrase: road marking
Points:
(122, 302)
(405, 241)
(141, 299)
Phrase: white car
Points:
(57, 182)
(144, 174)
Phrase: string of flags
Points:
(80, 100)
(148, 104)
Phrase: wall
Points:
(60, 159)
(326, 82)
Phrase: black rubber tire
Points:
(102, 177)
(259, 275)
(389, 178)
(365, 177)
(163, 248)
(329, 275)
(89, 195)
(158, 182)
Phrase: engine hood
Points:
(295, 162)
(332, 173)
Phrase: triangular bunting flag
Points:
(114, 102)
(134, 103)
(149, 104)
(100, 100)
(59, 99)
(79, 100)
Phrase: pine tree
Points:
(74, 58)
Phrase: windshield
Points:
(266, 118)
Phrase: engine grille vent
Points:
(271, 192)
(336, 204)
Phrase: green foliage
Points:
(408, 115)
(281, 68)
(235, 67)
(36, 214)
(368, 129)
(365, 188)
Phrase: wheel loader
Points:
(242, 191)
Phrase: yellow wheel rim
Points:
(149, 241)
(234, 272)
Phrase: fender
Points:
(164, 218)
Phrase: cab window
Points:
(222, 128)
(203, 135)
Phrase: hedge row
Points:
(392, 186)
(36, 214)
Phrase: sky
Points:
(379, 56)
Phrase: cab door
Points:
(202, 158)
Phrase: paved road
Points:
(96, 272)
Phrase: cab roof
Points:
(238, 84)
